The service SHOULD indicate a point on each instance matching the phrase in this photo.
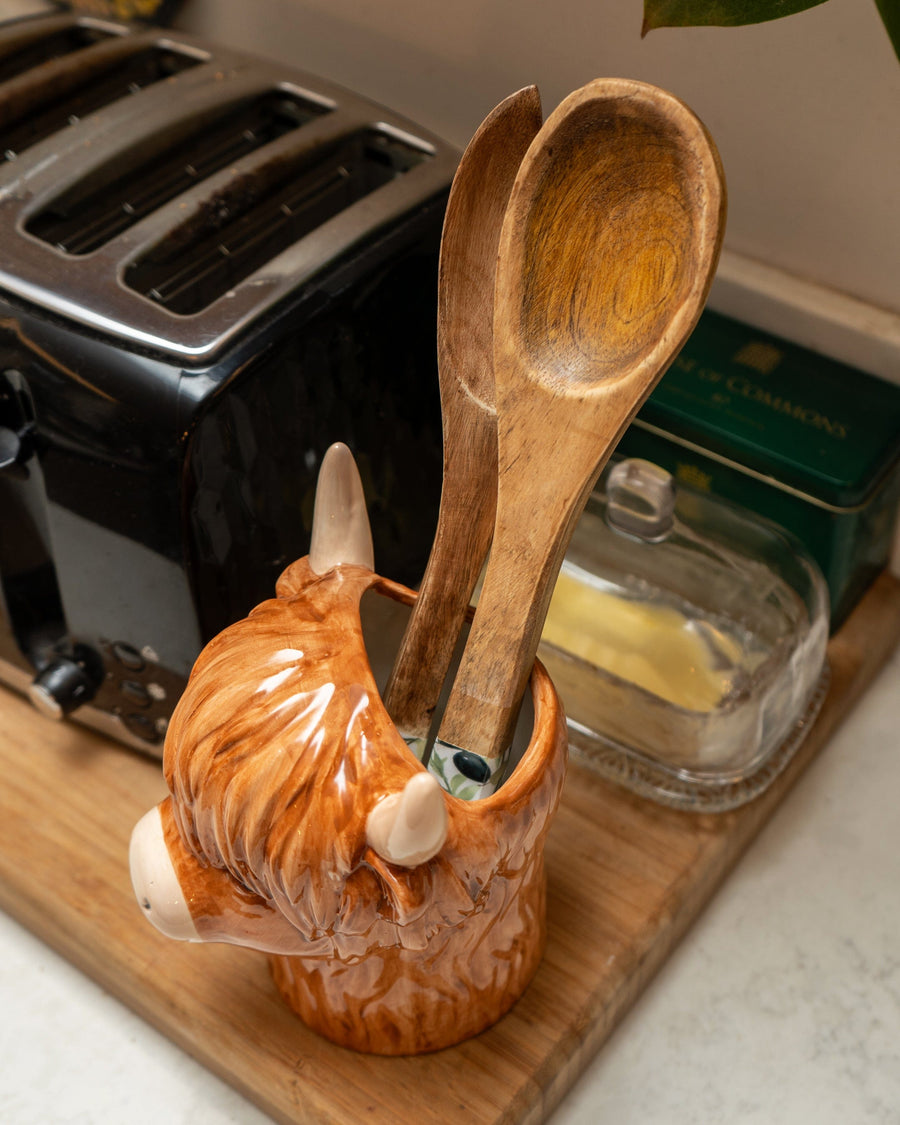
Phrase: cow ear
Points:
(409, 827)
(340, 532)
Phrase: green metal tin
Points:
(806, 441)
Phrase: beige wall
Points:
(806, 110)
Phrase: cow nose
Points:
(155, 883)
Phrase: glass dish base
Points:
(683, 788)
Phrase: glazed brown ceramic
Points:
(284, 831)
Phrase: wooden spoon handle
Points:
(462, 538)
(541, 495)
(471, 235)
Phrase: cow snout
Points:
(155, 883)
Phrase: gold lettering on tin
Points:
(805, 415)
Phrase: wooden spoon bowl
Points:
(609, 249)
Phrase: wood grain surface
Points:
(626, 878)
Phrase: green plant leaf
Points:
(890, 15)
(729, 13)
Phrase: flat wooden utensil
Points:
(607, 252)
(468, 259)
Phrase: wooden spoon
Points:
(468, 260)
(607, 252)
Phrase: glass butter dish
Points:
(687, 640)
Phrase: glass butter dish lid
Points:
(687, 641)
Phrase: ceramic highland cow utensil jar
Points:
(399, 919)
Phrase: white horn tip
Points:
(410, 827)
(340, 532)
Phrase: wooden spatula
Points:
(468, 258)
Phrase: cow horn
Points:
(409, 828)
(340, 532)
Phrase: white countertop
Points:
(781, 1006)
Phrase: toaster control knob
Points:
(15, 449)
(10, 448)
(60, 688)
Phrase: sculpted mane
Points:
(272, 764)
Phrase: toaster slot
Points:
(263, 213)
(119, 79)
(130, 187)
(22, 57)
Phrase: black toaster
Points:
(212, 268)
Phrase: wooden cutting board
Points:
(626, 878)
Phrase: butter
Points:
(656, 646)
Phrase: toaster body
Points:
(212, 270)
